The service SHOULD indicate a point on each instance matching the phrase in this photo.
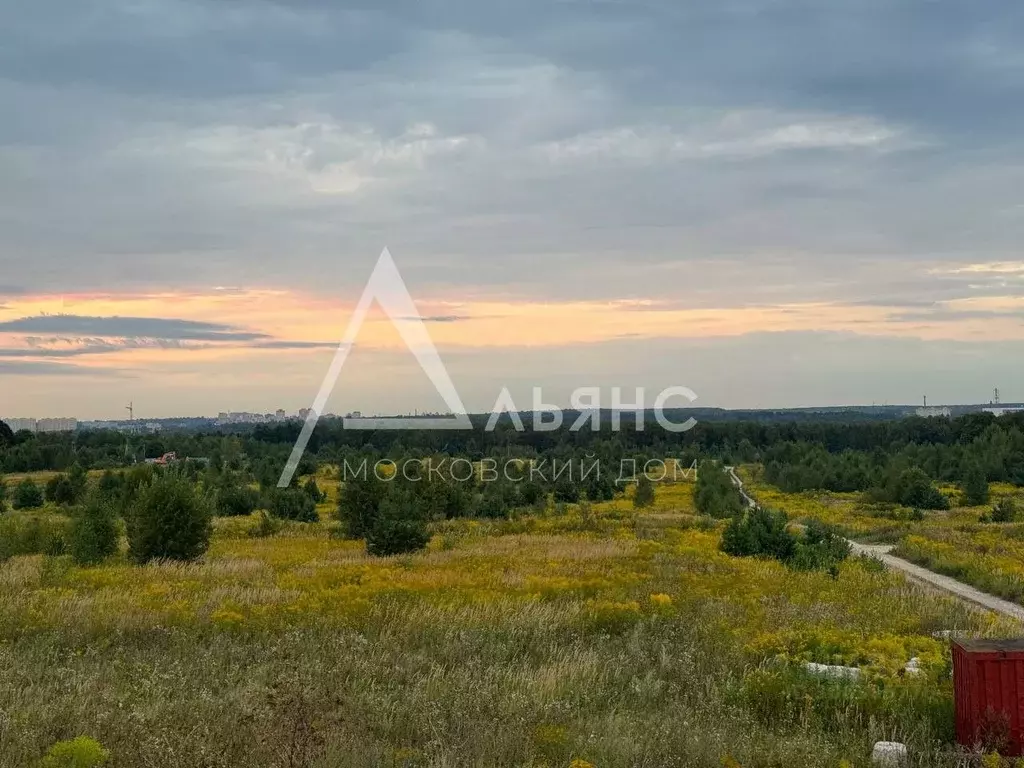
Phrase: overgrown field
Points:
(598, 634)
(963, 542)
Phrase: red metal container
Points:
(988, 683)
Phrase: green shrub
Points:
(93, 534)
(265, 526)
(820, 548)
(61, 491)
(759, 533)
(311, 489)
(236, 500)
(80, 752)
(1005, 511)
(399, 526)
(358, 505)
(715, 494)
(566, 491)
(293, 504)
(27, 495)
(169, 520)
(32, 535)
(765, 533)
(644, 496)
(975, 486)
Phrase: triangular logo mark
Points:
(387, 288)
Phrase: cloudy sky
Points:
(773, 202)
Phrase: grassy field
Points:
(600, 636)
(956, 542)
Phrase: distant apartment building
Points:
(244, 417)
(42, 425)
(1002, 410)
(934, 412)
(57, 425)
(21, 425)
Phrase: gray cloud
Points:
(141, 327)
(737, 153)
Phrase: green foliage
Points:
(975, 485)
(32, 535)
(109, 484)
(293, 504)
(644, 495)
(913, 488)
(61, 491)
(3, 496)
(715, 494)
(765, 533)
(265, 526)
(759, 533)
(820, 548)
(1005, 511)
(93, 534)
(170, 520)
(358, 504)
(27, 495)
(80, 752)
(399, 526)
(236, 500)
(566, 491)
(311, 489)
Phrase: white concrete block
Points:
(828, 670)
(889, 754)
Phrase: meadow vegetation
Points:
(200, 616)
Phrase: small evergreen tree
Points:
(93, 534)
(311, 489)
(644, 495)
(169, 520)
(359, 505)
(293, 504)
(399, 527)
(27, 495)
(975, 485)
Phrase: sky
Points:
(774, 203)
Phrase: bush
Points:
(265, 526)
(1005, 511)
(644, 496)
(759, 533)
(975, 486)
(715, 494)
(81, 752)
(32, 535)
(765, 533)
(566, 491)
(820, 548)
(358, 505)
(61, 491)
(236, 500)
(170, 520)
(27, 495)
(399, 526)
(293, 504)
(3, 496)
(93, 534)
(312, 490)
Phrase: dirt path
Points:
(916, 572)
